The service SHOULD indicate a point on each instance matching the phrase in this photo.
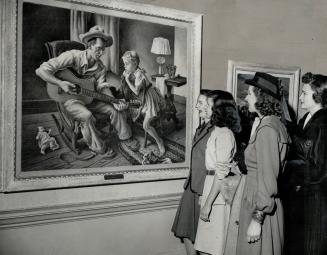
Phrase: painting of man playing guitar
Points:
(78, 100)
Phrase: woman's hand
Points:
(254, 231)
(204, 212)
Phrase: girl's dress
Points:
(264, 158)
(150, 98)
(211, 236)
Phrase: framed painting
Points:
(238, 72)
(45, 145)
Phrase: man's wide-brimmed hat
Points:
(268, 83)
(96, 32)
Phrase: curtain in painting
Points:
(111, 26)
(81, 22)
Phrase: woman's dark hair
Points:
(224, 111)
(318, 84)
(205, 92)
(266, 104)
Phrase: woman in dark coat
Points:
(187, 215)
(306, 211)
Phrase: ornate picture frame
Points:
(25, 105)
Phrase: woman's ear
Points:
(317, 97)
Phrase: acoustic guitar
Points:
(85, 90)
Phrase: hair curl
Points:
(224, 111)
(266, 104)
(318, 84)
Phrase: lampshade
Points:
(160, 46)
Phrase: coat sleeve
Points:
(316, 158)
(302, 146)
(224, 150)
(312, 149)
(268, 164)
(219, 157)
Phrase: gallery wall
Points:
(280, 32)
(285, 32)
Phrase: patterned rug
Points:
(175, 153)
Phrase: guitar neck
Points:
(103, 97)
(99, 96)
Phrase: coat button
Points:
(237, 222)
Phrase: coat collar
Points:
(272, 122)
(201, 132)
(318, 114)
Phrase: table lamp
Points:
(160, 46)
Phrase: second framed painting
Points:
(239, 72)
(289, 76)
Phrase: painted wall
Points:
(138, 36)
(286, 32)
(180, 58)
(34, 52)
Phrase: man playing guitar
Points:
(87, 63)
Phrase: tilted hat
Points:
(268, 83)
(96, 32)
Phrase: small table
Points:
(177, 81)
(174, 82)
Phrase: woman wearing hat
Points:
(87, 63)
(306, 225)
(261, 214)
